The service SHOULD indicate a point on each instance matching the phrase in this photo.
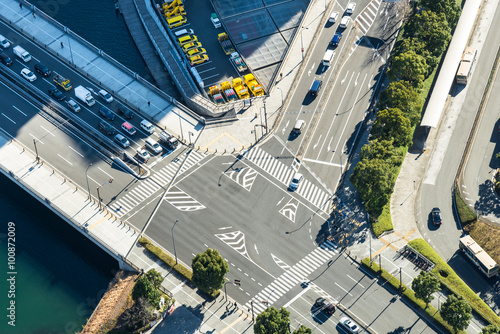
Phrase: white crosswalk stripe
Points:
(155, 182)
(284, 173)
(292, 276)
(365, 20)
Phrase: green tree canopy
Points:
(402, 95)
(374, 179)
(382, 150)
(408, 66)
(302, 330)
(209, 269)
(272, 321)
(432, 29)
(144, 288)
(154, 277)
(392, 124)
(456, 312)
(490, 329)
(424, 285)
(419, 47)
(448, 7)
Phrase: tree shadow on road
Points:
(488, 202)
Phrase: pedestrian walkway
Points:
(159, 179)
(297, 274)
(284, 174)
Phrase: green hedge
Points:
(465, 214)
(384, 221)
(451, 279)
(407, 292)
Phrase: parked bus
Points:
(466, 63)
(480, 258)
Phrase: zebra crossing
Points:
(293, 276)
(155, 182)
(284, 173)
(365, 20)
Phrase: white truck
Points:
(169, 141)
(21, 53)
(84, 95)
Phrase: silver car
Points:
(73, 105)
(349, 325)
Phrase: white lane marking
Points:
(297, 296)
(60, 156)
(256, 250)
(317, 143)
(322, 162)
(19, 110)
(37, 140)
(346, 74)
(76, 151)
(8, 118)
(50, 133)
(343, 289)
(104, 172)
(280, 201)
(356, 281)
(93, 180)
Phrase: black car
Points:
(436, 216)
(107, 128)
(105, 112)
(324, 305)
(42, 69)
(56, 93)
(5, 59)
(126, 112)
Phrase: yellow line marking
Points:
(224, 134)
(233, 323)
(100, 221)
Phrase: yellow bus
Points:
(176, 21)
(466, 63)
(480, 258)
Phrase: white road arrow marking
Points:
(342, 81)
(317, 143)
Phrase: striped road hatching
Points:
(284, 173)
(155, 182)
(182, 201)
(293, 276)
(290, 209)
(235, 240)
(365, 20)
(245, 177)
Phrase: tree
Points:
(448, 7)
(402, 95)
(374, 180)
(490, 329)
(302, 330)
(419, 47)
(144, 288)
(383, 150)
(138, 316)
(392, 124)
(155, 278)
(456, 312)
(408, 66)
(432, 29)
(272, 321)
(424, 285)
(209, 269)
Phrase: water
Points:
(61, 275)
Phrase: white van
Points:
(147, 126)
(328, 57)
(4, 42)
(183, 32)
(21, 53)
(333, 17)
(344, 22)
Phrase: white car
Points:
(28, 75)
(105, 95)
(73, 105)
(4, 42)
(349, 325)
(153, 146)
(296, 180)
(350, 7)
(143, 155)
(333, 17)
(344, 22)
(122, 141)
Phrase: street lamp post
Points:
(98, 195)
(173, 240)
(282, 101)
(302, 42)
(87, 178)
(237, 282)
(36, 150)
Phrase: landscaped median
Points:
(449, 280)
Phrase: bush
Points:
(384, 221)
(465, 214)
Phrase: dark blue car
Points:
(105, 112)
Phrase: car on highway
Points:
(4, 42)
(121, 140)
(153, 146)
(147, 126)
(324, 305)
(350, 7)
(333, 17)
(56, 94)
(107, 128)
(436, 216)
(28, 75)
(5, 59)
(344, 22)
(105, 112)
(73, 105)
(296, 180)
(336, 39)
(127, 113)
(105, 95)
(42, 69)
(128, 128)
(315, 87)
(142, 155)
(349, 325)
(198, 59)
